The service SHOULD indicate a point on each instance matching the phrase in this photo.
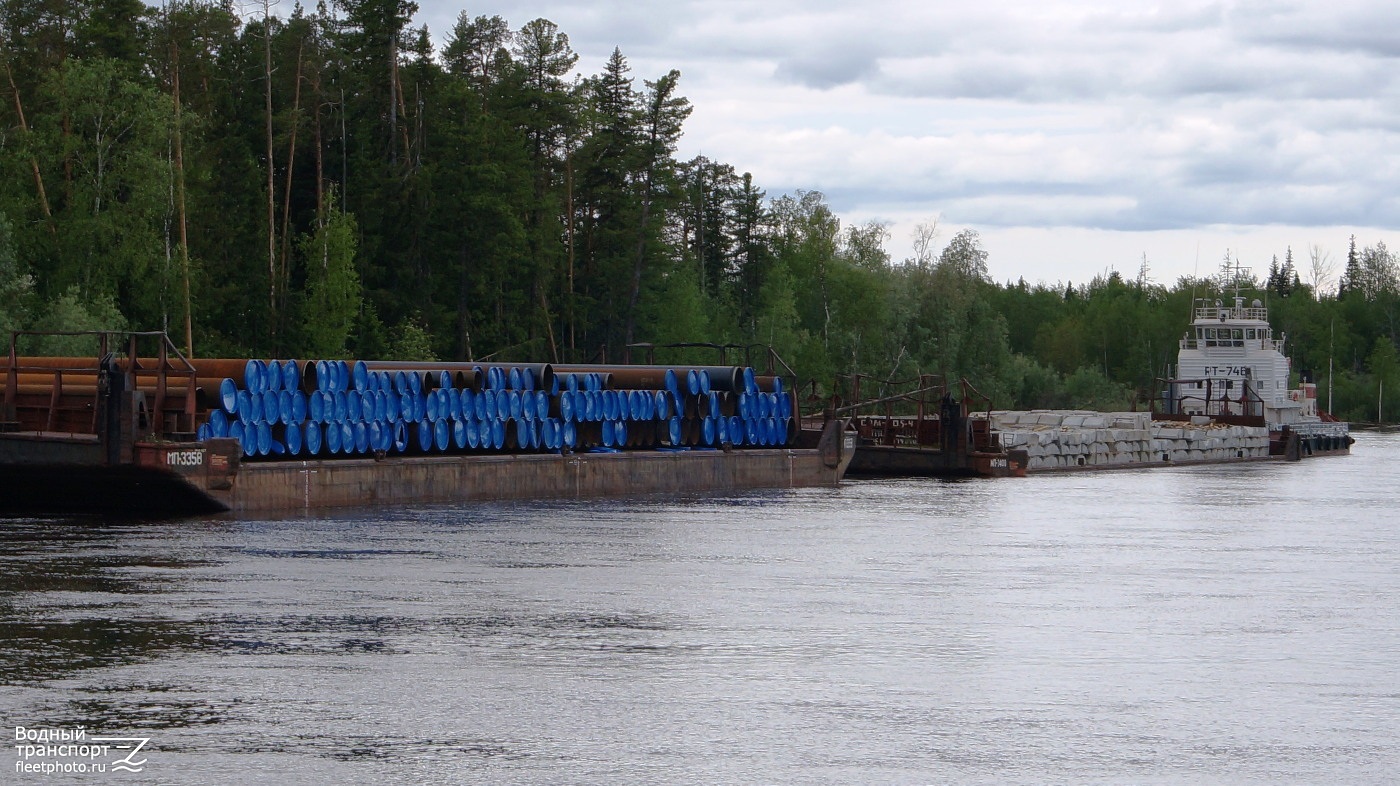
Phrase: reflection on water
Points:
(1225, 624)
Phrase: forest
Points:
(328, 183)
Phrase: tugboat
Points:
(1231, 369)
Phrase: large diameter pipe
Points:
(637, 377)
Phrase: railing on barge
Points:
(1214, 401)
(72, 394)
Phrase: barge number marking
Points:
(185, 458)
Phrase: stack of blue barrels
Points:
(330, 408)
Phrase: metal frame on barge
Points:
(117, 436)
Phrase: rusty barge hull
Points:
(311, 485)
(47, 474)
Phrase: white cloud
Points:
(1106, 126)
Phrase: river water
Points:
(1226, 624)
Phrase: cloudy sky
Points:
(1075, 136)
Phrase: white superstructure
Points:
(1230, 363)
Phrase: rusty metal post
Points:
(11, 382)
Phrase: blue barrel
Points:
(256, 407)
(228, 396)
(442, 436)
(513, 402)
(264, 431)
(620, 433)
(340, 406)
(712, 403)
(311, 438)
(243, 406)
(292, 436)
(673, 383)
(750, 382)
(235, 431)
(202, 433)
(298, 406)
(473, 430)
(218, 423)
(468, 406)
(359, 376)
(342, 376)
(491, 402)
(541, 403)
(424, 431)
(270, 405)
(291, 375)
(431, 407)
(566, 404)
(592, 406)
(316, 406)
(284, 407)
(527, 406)
(673, 431)
(272, 376)
(360, 434)
(568, 435)
(444, 380)
(498, 434)
(454, 403)
(722, 430)
(248, 440)
(459, 434)
(704, 377)
(255, 376)
(332, 440)
(378, 436)
(751, 431)
(513, 379)
(347, 437)
(707, 431)
(607, 433)
(692, 382)
(571, 382)
(777, 435)
(660, 405)
(400, 436)
(735, 429)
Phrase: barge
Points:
(131, 436)
(1229, 400)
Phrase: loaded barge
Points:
(162, 435)
(1229, 400)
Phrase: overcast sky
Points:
(1075, 136)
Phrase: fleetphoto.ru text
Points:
(63, 751)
